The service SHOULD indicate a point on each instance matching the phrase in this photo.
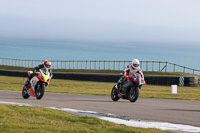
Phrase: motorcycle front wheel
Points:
(114, 94)
(134, 94)
(25, 94)
(40, 91)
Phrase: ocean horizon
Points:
(38, 49)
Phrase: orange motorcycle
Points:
(37, 84)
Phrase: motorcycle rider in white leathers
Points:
(131, 69)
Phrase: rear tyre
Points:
(25, 94)
(40, 91)
(133, 94)
(114, 94)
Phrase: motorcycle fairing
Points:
(31, 92)
(29, 73)
(45, 77)
(41, 76)
(33, 82)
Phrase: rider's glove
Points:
(34, 74)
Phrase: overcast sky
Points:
(155, 21)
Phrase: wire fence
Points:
(101, 65)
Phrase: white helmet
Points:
(135, 63)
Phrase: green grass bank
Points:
(28, 119)
(102, 88)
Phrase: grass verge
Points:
(102, 88)
(23, 119)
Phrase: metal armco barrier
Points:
(150, 79)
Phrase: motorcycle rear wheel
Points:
(133, 94)
(40, 91)
(114, 94)
(25, 94)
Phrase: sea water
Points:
(38, 49)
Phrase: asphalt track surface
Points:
(164, 110)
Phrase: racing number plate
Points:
(34, 82)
